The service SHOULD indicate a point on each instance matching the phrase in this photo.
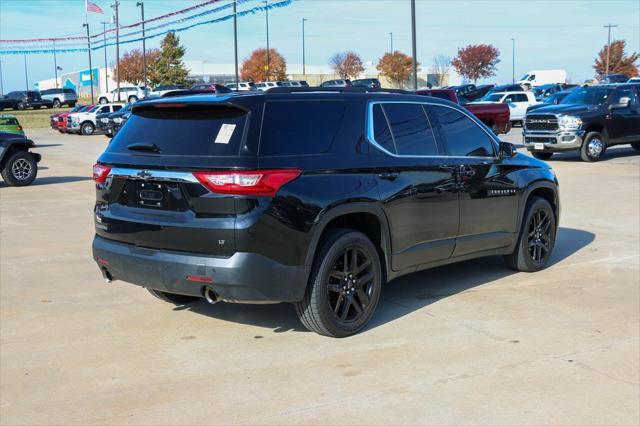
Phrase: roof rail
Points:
(346, 89)
(186, 92)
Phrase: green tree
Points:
(169, 68)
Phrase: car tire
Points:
(536, 239)
(20, 169)
(593, 147)
(56, 103)
(132, 99)
(87, 128)
(176, 299)
(20, 106)
(636, 146)
(542, 155)
(71, 104)
(330, 306)
(103, 100)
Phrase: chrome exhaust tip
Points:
(106, 275)
(210, 296)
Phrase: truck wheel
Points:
(593, 147)
(20, 106)
(636, 146)
(132, 99)
(20, 169)
(71, 104)
(176, 299)
(56, 103)
(537, 237)
(87, 128)
(103, 100)
(542, 155)
(344, 285)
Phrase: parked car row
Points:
(83, 119)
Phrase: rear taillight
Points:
(100, 173)
(254, 182)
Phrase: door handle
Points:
(388, 176)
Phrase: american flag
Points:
(92, 7)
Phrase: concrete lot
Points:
(466, 344)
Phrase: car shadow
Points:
(52, 180)
(48, 145)
(401, 296)
(610, 154)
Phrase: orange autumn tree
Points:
(131, 65)
(476, 61)
(397, 67)
(254, 68)
(619, 61)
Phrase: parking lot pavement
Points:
(463, 344)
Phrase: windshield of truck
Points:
(588, 96)
(493, 97)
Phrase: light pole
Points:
(86, 25)
(391, 38)
(413, 45)
(55, 63)
(608, 45)
(235, 40)
(104, 45)
(513, 61)
(144, 48)
(115, 7)
(26, 74)
(1, 83)
(266, 12)
(304, 59)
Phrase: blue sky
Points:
(549, 34)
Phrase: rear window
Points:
(300, 127)
(194, 131)
(8, 121)
(69, 91)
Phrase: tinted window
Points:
(381, 132)
(411, 129)
(521, 98)
(8, 121)
(300, 127)
(624, 93)
(117, 107)
(69, 91)
(463, 137)
(191, 130)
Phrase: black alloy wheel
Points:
(344, 284)
(537, 237)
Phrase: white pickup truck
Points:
(128, 94)
(518, 102)
(85, 123)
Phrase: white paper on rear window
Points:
(225, 133)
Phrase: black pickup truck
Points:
(590, 119)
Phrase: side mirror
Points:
(623, 103)
(507, 150)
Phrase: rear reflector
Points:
(253, 182)
(100, 173)
(102, 261)
(199, 279)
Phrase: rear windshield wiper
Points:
(147, 147)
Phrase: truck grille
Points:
(541, 122)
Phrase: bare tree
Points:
(347, 64)
(441, 66)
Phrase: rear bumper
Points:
(552, 141)
(243, 277)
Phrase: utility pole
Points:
(391, 37)
(1, 83)
(106, 67)
(144, 49)
(115, 7)
(26, 74)
(55, 62)
(413, 45)
(235, 41)
(608, 45)
(513, 61)
(266, 11)
(304, 59)
(86, 25)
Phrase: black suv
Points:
(22, 99)
(317, 197)
(588, 120)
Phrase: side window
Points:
(624, 93)
(102, 110)
(381, 132)
(532, 77)
(116, 107)
(300, 127)
(411, 129)
(520, 97)
(462, 136)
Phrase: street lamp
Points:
(413, 45)
(26, 75)
(86, 25)
(104, 45)
(513, 61)
(304, 67)
(391, 37)
(235, 41)
(144, 48)
(266, 12)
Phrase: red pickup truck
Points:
(495, 116)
